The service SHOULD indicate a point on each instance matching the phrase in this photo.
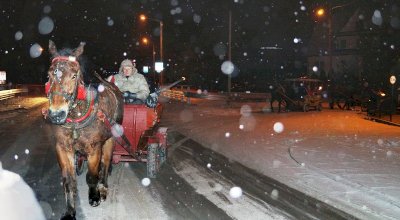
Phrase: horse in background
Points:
(277, 94)
(82, 118)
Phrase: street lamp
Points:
(321, 12)
(143, 18)
(392, 81)
(146, 41)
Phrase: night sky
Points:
(195, 36)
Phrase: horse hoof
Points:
(68, 217)
(103, 192)
(94, 203)
(94, 198)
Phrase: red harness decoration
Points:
(69, 120)
(81, 92)
(47, 87)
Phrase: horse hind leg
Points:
(105, 168)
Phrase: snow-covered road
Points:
(337, 157)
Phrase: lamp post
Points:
(230, 55)
(320, 12)
(392, 81)
(144, 18)
(146, 41)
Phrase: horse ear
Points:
(53, 48)
(79, 50)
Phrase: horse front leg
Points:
(65, 156)
(92, 176)
(105, 167)
(279, 106)
(271, 104)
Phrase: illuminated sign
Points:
(145, 69)
(159, 66)
(3, 77)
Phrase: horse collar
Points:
(90, 113)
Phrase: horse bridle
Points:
(58, 73)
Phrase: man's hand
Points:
(129, 95)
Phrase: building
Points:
(345, 59)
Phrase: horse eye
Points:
(74, 77)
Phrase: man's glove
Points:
(129, 95)
(151, 100)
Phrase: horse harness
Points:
(80, 94)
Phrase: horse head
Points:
(65, 83)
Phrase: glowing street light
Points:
(392, 81)
(143, 18)
(321, 12)
(146, 41)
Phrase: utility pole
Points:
(230, 54)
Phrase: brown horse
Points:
(82, 118)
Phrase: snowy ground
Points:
(335, 156)
(21, 102)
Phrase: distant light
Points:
(159, 66)
(145, 69)
(320, 12)
(145, 40)
(124, 54)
